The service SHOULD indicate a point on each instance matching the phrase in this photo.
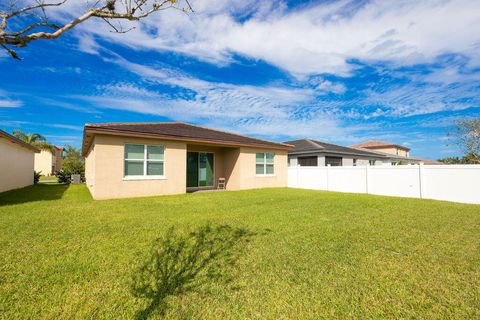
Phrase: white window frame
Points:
(145, 163)
(264, 174)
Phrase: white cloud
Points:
(319, 38)
(7, 103)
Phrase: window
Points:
(371, 162)
(144, 160)
(264, 163)
(307, 161)
(333, 161)
(354, 162)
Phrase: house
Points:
(398, 154)
(383, 146)
(145, 159)
(49, 162)
(309, 152)
(16, 162)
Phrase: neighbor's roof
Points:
(304, 146)
(388, 155)
(21, 143)
(374, 144)
(431, 162)
(176, 131)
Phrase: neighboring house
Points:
(308, 152)
(144, 159)
(16, 162)
(398, 154)
(383, 146)
(48, 162)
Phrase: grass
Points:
(48, 179)
(291, 254)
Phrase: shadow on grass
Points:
(39, 192)
(180, 263)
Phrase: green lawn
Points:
(280, 254)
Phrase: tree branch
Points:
(107, 11)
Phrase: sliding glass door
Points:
(200, 169)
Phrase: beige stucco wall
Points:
(107, 169)
(104, 168)
(16, 166)
(90, 169)
(392, 150)
(244, 176)
(44, 162)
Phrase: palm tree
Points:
(34, 139)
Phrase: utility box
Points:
(76, 179)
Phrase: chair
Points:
(221, 184)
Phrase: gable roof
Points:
(303, 146)
(176, 131)
(376, 144)
(21, 143)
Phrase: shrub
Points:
(63, 177)
(36, 176)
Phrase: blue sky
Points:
(338, 71)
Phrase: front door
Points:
(200, 169)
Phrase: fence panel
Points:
(460, 183)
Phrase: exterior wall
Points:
(250, 180)
(16, 166)
(393, 150)
(90, 169)
(231, 158)
(44, 162)
(108, 169)
(104, 168)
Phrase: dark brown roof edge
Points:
(18, 141)
(99, 129)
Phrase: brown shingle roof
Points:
(375, 144)
(21, 143)
(309, 146)
(176, 131)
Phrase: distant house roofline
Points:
(177, 131)
(375, 144)
(310, 146)
(14, 139)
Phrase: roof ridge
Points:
(187, 124)
(235, 134)
(314, 142)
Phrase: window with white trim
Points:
(143, 160)
(264, 163)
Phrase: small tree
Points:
(466, 135)
(73, 163)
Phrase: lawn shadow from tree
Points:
(180, 263)
(38, 192)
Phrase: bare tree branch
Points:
(107, 10)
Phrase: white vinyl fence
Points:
(459, 183)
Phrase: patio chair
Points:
(221, 184)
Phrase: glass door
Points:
(205, 169)
(200, 169)
(192, 169)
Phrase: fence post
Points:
(367, 173)
(328, 173)
(421, 178)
